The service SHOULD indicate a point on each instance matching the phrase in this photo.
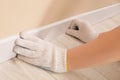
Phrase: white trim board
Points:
(95, 16)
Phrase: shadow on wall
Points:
(59, 10)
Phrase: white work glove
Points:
(41, 53)
(82, 30)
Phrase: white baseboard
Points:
(7, 44)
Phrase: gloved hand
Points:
(38, 52)
(82, 30)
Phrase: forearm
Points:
(104, 49)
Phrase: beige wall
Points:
(20, 15)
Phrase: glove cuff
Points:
(60, 60)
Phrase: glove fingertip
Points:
(18, 41)
(20, 57)
(23, 35)
(16, 49)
